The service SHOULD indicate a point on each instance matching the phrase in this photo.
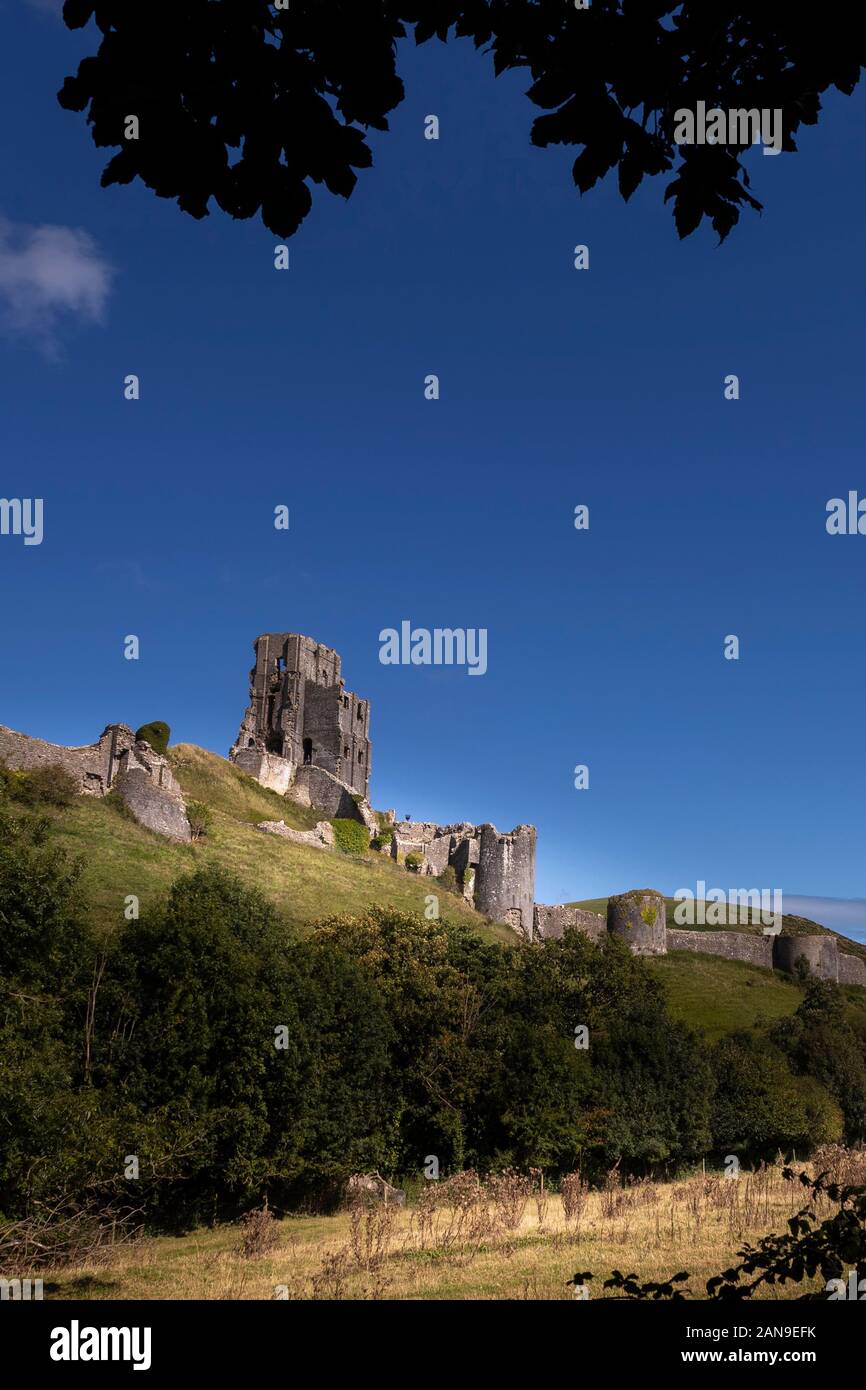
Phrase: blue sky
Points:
(558, 387)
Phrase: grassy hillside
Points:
(303, 883)
(721, 996)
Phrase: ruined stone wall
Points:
(93, 766)
(273, 772)
(322, 726)
(315, 786)
(355, 732)
(822, 954)
(140, 757)
(732, 945)
(158, 808)
(852, 969)
(554, 922)
(143, 778)
(438, 844)
(335, 723)
(496, 871)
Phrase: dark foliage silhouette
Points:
(245, 104)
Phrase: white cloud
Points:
(49, 275)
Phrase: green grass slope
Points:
(722, 996)
(303, 883)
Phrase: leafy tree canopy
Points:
(246, 104)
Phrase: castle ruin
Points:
(495, 872)
(639, 919)
(307, 737)
(302, 716)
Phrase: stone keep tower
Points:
(301, 715)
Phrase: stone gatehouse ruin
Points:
(495, 872)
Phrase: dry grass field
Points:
(504, 1239)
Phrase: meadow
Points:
(463, 1238)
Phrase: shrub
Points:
(156, 734)
(200, 819)
(351, 836)
(414, 862)
(260, 1234)
(448, 879)
(384, 836)
(42, 786)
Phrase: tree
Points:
(246, 104)
(819, 1041)
(759, 1107)
(255, 1066)
(54, 1136)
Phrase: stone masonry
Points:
(306, 736)
(301, 715)
(495, 871)
(142, 778)
(638, 919)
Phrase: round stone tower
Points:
(505, 879)
(638, 918)
(821, 954)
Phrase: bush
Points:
(42, 786)
(351, 836)
(414, 862)
(200, 819)
(156, 734)
(383, 837)
(448, 879)
(260, 1234)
